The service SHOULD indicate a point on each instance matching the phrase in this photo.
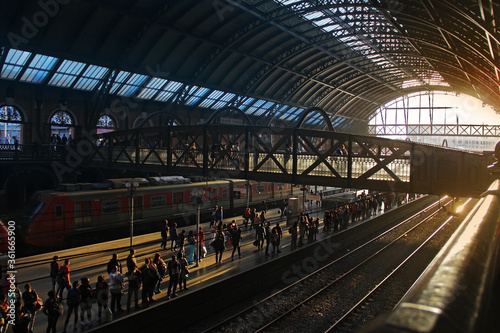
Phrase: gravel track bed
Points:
(331, 304)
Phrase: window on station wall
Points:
(62, 127)
(105, 124)
(10, 125)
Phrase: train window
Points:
(58, 211)
(111, 206)
(225, 192)
(237, 194)
(178, 197)
(158, 201)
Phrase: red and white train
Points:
(55, 217)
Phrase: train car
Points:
(54, 217)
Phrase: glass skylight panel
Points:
(91, 77)
(168, 91)
(67, 73)
(38, 68)
(263, 108)
(224, 101)
(152, 88)
(195, 94)
(290, 113)
(120, 78)
(313, 15)
(255, 106)
(246, 102)
(214, 96)
(14, 63)
(132, 84)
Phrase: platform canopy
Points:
(270, 58)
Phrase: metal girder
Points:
(372, 163)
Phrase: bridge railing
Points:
(292, 155)
(32, 152)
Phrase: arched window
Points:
(10, 125)
(106, 121)
(61, 118)
(62, 126)
(105, 124)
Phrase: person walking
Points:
(236, 241)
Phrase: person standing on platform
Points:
(116, 287)
(293, 231)
(267, 235)
(160, 267)
(164, 235)
(252, 218)
(149, 277)
(134, 284)
(236, 241)
(218, 245)
(52, 309)
(246, 216)
(260, 234)
(200, 237)
(184, 271)
(54, 269)
(192, 245)
(72, 302)
(131, 262)
(181, 240)
(263, 207)
(86, 295)
(30, 298)
(63, 278)
(302, 228)
(174, 269)
(276, 242)
(173, 236)
(101, 292)
(114, 262)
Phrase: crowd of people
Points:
(103, 297)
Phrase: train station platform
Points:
(91, 261)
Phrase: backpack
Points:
(73, 297)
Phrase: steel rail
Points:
(279, 292)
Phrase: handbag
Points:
(256, 242)
(38, 304)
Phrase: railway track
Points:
(295, 306)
